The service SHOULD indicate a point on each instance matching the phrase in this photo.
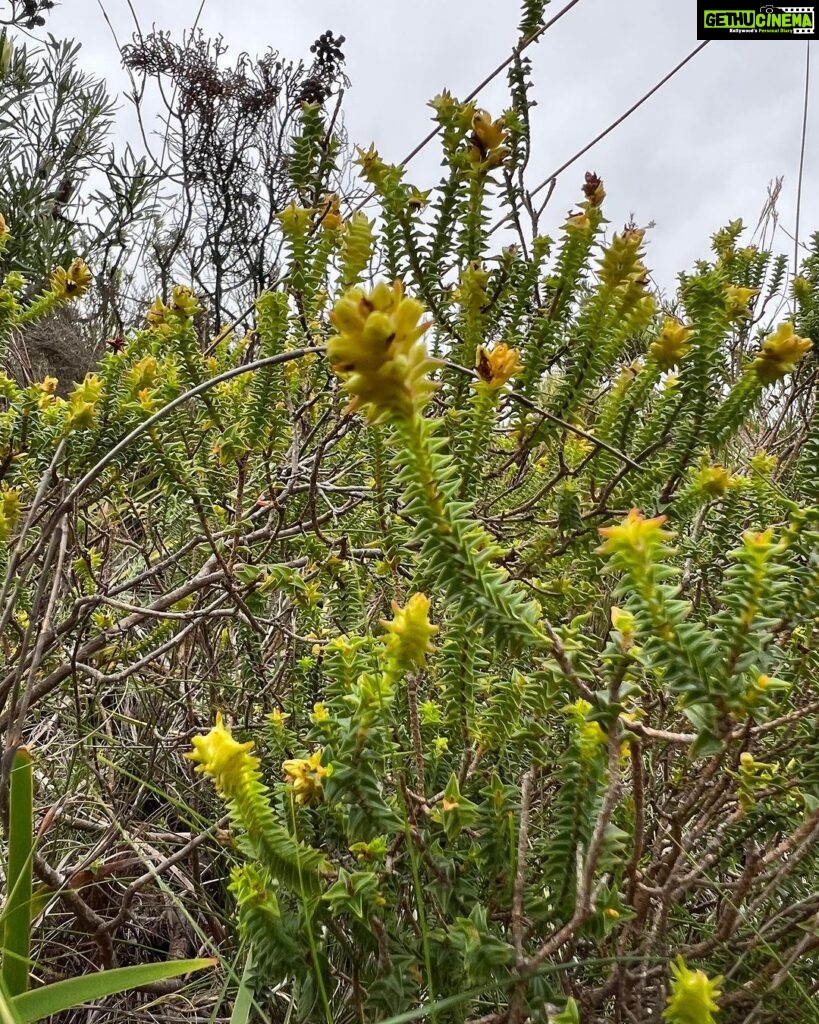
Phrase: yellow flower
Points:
(577, 222)
(331, 209)
(713, 480)
(780, 353)
(277, 718)
(295, 219)
(4, 228)
(671, 347)
(692, 999)
(9, 513)
(495, 367)
(71, 283)
(183, 301)
(157, 314)
(737, 299)
(635, 533)
(143, 374)
(224, 759)
(489, 133)
(82, 402)
(320, 712)
(486, 148)
(410, 631)
(47, 389)
(306, 775)
(378, 351)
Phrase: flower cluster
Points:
(306, 775)
(379, 353)
(780, 353)
(497, 365)
(228, 762)
(671, 346)
(409, 632)
(693, 995)
(71, 283)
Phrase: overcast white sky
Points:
(699, 153)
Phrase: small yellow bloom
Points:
(9, 513)
(143, 374)
(306, 775)
(320, 712)
(671, 347)
(490, 133)
(277, 718)
(737, 299)
(295, 219)
(330, 209)
(486, 149)
(71, 283)
(713, 481)
(577, 222)
(157, 314)
(693, 995)
(635, 533)
(496, 366)
(224, 759)
(780, 353)
(183, 301)
(4, 228)
(410, 631)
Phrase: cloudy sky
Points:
(700, 152)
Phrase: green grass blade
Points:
(62, 995)
(8, 1014)
(17, 917)
(244, 997)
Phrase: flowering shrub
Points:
(482, 585)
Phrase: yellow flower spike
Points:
(693, 995)
(577, 222)
(71, 283)
(410, 631)
(157, 314)
(635, 533)
(4, 228)
(496, 366)
(671, 347)
(306, 775)
(489, 133)
(277, 718)
(183, 301)
(737, 299)
(780, 353)
(378, 351)
(9, 513)
(320, 712)
(223, 758)
(713, 481)
(295, 219)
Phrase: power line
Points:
(552, 178)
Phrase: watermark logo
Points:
(755, 21)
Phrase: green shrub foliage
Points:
(503, 580)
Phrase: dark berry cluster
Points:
(328, 49)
